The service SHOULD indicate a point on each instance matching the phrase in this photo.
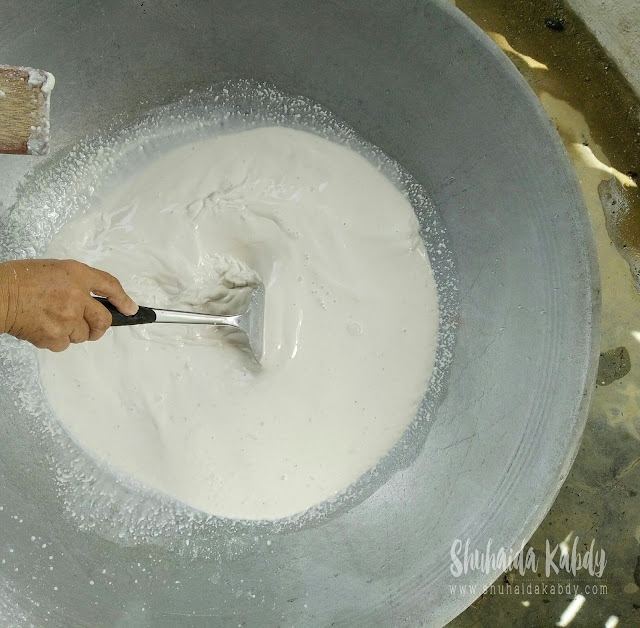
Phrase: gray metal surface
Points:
(426, 86)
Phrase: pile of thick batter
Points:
(350, 324)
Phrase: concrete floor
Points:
(598, 117)
(616, 23)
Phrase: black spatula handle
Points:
(143, 315)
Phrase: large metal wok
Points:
(424, 84)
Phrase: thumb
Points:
(106, 285)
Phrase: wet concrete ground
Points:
(598, 118)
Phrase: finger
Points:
(98, 318)
(58, 345)
(80, 333)
(106, 285)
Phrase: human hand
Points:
(48, 302)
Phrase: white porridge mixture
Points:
(351, 324)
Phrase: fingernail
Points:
(133, 308)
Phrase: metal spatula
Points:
(250, 322)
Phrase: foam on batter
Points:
(351, 323)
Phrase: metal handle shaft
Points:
(172, 316)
